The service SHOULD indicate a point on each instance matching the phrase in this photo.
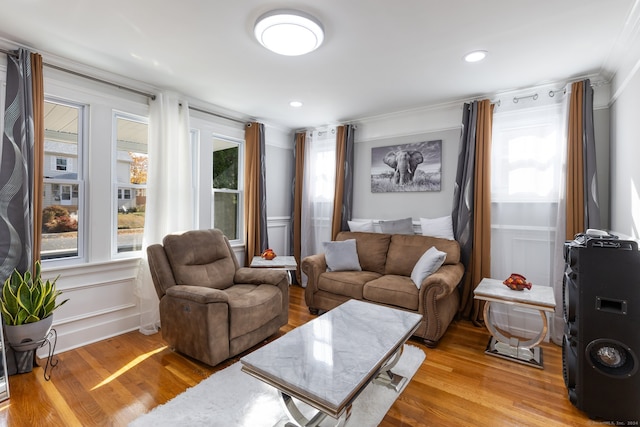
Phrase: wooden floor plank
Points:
(112, 382)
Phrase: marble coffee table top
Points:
(328, 360)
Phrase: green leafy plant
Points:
(27, 298)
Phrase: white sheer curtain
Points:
(527, 191)
(169, 191)
(318, 191)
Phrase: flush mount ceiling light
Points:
(289, 32)
(295, 104)
(475, 56)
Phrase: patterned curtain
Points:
(472, 202)
(255, 192)
(343, 201)
(18, 175)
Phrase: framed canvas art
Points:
(406, 167)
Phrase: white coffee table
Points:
(328, 361)
(525, 351)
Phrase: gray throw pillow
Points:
(342, 255)
(398, 226)
(428, 264)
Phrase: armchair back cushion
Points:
(201, 258)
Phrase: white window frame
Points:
(240, 191)
(83, 123)
(119, 188)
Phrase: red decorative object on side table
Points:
(517, 282)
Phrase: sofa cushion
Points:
(346, 283)
(405, 251)
(428, 264)
(366, 226)
(341, 255)
(397, 226)
(392, 290)
(437, 227)
(251, 307)
(372, 249)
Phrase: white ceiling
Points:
(379, 56)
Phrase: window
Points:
(526, 166)
(62, 213)
(226, 187)
(61, 164)
(131, 181)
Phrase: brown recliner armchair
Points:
(211, 308)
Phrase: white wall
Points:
(625, 158)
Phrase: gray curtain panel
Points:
(592, 206)
(347, 195)
(16, 172)
(264, 235)
(462, 213)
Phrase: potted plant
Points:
(27, 305)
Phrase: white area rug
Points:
(231, 398)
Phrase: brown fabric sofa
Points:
(211, 308)
(387, 261)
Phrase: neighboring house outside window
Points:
(63, 185)
(131, 145)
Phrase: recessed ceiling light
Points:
(296, 104)
(289, 32)
(475, 56)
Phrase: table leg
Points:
(387, 378)
(527, 351)
(297, 418)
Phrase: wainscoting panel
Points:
(102, 302)
(278, 229)
(527, 251)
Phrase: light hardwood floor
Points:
(112, 382)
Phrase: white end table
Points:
(286, 262)
(521, 350)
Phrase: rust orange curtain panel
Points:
(472, 202)
(343, 199)
(575, 162)
(582, 206)
(255, 203)
(38, 151)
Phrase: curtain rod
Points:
(211, 113)
(95, 79)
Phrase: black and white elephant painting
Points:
(404, 164)
(406, 167)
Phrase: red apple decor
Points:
(268, 254)
(517, 282)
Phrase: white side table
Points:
(521, 350)
(287, 263)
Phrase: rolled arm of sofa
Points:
(313, 266)
(259, 276)
(445, 280)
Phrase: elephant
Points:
(404, 163)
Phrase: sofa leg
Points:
(430, 343)
(314, 311)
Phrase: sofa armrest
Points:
(198, 294)
(443, 282)
(260, 276)
(313, 266)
